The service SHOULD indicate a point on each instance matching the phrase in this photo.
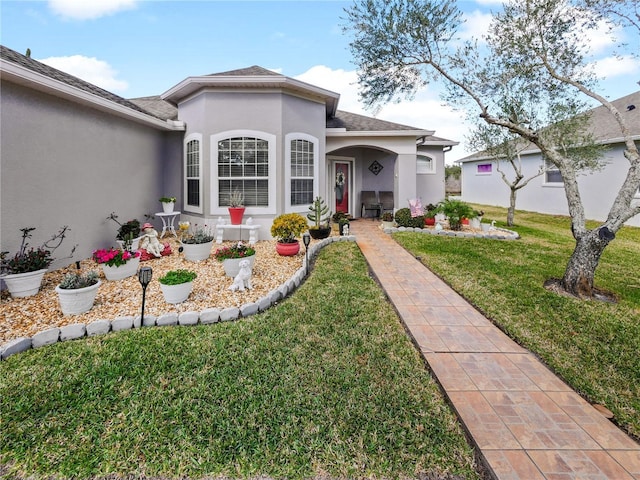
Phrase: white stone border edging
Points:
(495, 234)
(206, 316)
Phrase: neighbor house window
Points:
(243, 160)
(552, 174)
(301, 169)
(484, 169)
(425, 164)
(193, 174)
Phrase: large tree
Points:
(530, 77)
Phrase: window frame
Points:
(216, 208)
(548, 166)
(185, 197)
(290, 137)
(484, 164)
(432, 170)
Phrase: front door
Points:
(342, 186)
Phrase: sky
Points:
(137, 48)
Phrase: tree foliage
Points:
(529, 76)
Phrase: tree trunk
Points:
(512, 207)
(580, 271)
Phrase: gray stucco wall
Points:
(275, 113)
(67, 164)
(597, 189)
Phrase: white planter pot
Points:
(78, 300)
(387, 224)
(24, 284)
(485, 227)
(196, 252)
(176, 293)
(474, 223)
(135, 244)
(232, 265)
(123, 271)
(168, 207)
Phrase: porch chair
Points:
(386, 202)
(370, 203)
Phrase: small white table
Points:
(168, 220)
(254, 230)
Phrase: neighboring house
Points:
(72, 153)
(482, 183)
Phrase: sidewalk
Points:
(526, 422)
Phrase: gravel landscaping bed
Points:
(24, 317)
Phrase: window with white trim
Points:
(484, 169)
(301, 154)
(552, 173)
(425, 165)
(243, 164)
(193, 174)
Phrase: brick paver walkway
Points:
(526, 422)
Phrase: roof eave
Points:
(341, 132)
(37, 81)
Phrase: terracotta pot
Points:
(236, 214)
(288, 249)
(464, 221)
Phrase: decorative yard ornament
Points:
(243, 278)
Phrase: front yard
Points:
(325, 384)
(593, 346)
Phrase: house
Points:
(72, 152)
(482, 183)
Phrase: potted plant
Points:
(430, 215)
(77, 292)
(196, 245)
(236, 208)
(128, 236)
(176, 285)
(232, 255)
(286, 228)
(320, 215)
(167, 204)
(117, 263)
(455, 211)
(387, 220)
(24, 271)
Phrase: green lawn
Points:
(593, 346)
(324, 384)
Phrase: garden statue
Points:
(243, 278)
(345, 230)
(150, 242)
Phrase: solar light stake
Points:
(306, 239)
(144, 277)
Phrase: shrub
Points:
(176, 277)
(404, 219)
(288, 226)
(455, 211)
(73, 281)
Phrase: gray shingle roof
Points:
(602, 124)
(353, 122)
(14, 57)
(157, 107)
(253, 71)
